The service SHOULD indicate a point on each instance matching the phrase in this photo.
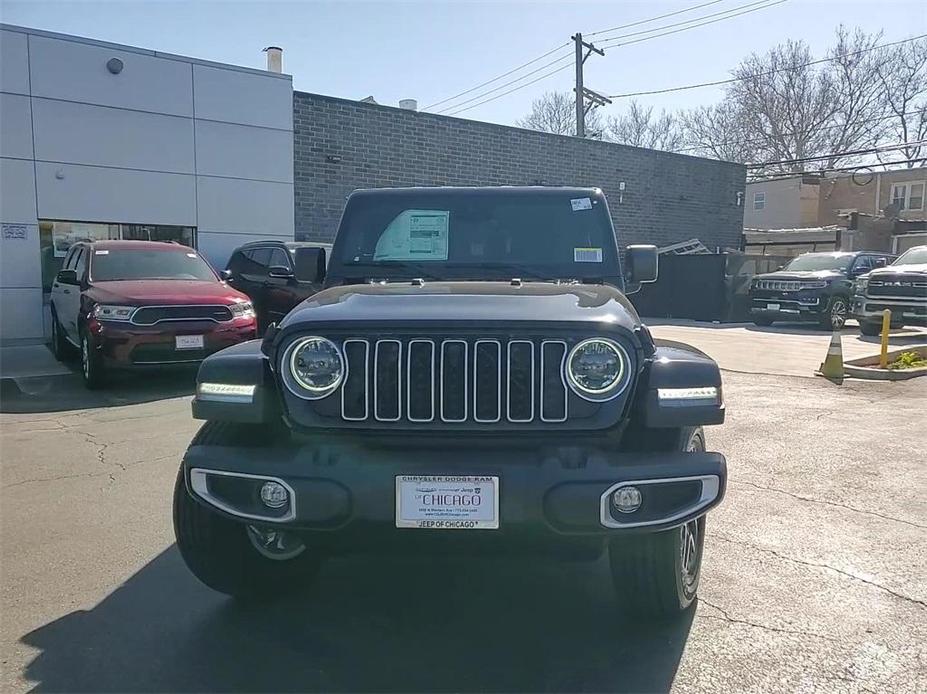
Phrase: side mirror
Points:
(281, 272)
(66, 277)
(642, 263)
(310, 264)
(880, 262)
(226, 275)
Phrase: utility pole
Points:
(582, 93)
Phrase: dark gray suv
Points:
(815, 287)
(472, 379)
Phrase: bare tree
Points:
(720, 131)
(555, 112)
(903, 81)
(787, 106)
(788, 103)
(639, 127)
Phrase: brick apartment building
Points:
(873, 210)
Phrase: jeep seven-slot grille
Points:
(454, 380)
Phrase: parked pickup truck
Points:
(472, 378)
(901, 287)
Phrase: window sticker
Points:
(101, 252)
(587, 255)
(581, 204)
(415, 235)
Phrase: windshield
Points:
(914, 256)
(820, 261)
(137, 264)
(476, 235)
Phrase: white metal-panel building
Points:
(104, 141)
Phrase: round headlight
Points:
(315, 367)
(595, 368)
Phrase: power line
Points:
(688, 21)
(836, 126)
(496, 79)
(508, 84)
(694, 26)
(499, 96)
(764, 74)
(836, 155)
(551, 52)
(653, 19)
(858, 167)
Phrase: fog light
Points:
(627, 499)
(274, 495)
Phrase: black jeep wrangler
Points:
(472, 378)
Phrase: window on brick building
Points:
(908, 196)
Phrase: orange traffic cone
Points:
(832, 367)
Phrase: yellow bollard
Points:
(886, 326)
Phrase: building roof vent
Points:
(408, 104)
(274, 59)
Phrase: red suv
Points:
(127, 304)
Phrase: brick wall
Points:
(667, 197)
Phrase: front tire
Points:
(91, 364)
(61, 348)
(763, 321)
(835, 316)
(870, 328)
(656, 575)
(246, 562)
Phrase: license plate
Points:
(772, 307)
(188, 342)
(447, 502)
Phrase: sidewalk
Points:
(30, 361)
(785, 350)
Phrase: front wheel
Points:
(61, 348)
(835, 316)
(762, 321)
(870, 328)
(247, 562)
(91, 365)
(656, 575)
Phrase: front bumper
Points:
(794, 306)
(909, 312)
(124, 345)
(345, 493)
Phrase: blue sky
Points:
(432, 50)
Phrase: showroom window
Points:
(56, 237)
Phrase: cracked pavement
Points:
(815, 574)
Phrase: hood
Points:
(920, 269)
(801, 275)
(164, 292)
(468, 301)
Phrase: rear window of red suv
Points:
(107, 265)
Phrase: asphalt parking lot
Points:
(815, 575)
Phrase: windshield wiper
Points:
(419, 270)
(525, 272)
